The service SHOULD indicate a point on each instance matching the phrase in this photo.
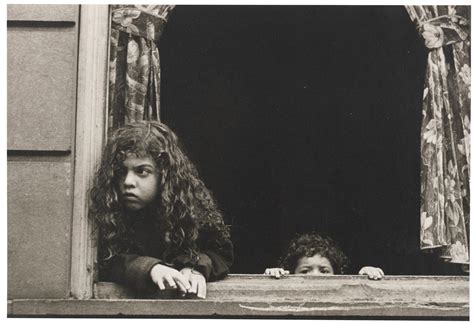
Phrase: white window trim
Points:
(90, 134)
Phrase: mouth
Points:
(129, 196)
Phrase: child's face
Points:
(314, 266)
(138, 184)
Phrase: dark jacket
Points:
(214, 258)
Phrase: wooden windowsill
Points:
(261, 296)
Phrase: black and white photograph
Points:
(238, 160)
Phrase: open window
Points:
(312, 121)
(298, 117)
(317, 127)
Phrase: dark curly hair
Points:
(308, 245)
(183, 204)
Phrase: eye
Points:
(304, 271)
(143, 172)
(324, 270)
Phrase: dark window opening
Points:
(303, 118)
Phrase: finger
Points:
(181, 288)
(367, 272)
(282, 272)
(375, 275)
(185, 272)
(270, 271)
(194, 284)
(169, 280)
(371, 274)
(286, 272)
(279, 272)
(178, 277)
(160, 284)
(378, 273)
(201, 288)
(381, 272)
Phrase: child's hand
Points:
(276, 272)
(197, 281)
(169, 278)
(372, 272)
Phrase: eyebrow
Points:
(143, 165)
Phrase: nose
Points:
(129, 180)
(315, 272)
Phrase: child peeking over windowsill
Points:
(315, 255)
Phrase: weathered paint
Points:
(294, 296)
(207, 308)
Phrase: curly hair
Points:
(183, 204)
(308, 245)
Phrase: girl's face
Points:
(138, 182)
(314, 266)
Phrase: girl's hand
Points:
(372, 272)
(196, 280)
(276, 272)
(169, 278)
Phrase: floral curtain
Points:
(134, 69)
(445, 130)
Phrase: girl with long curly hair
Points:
(317, 255)
(159, 226)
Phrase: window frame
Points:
(294, 296)
(91, 125)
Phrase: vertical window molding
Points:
(90, 134)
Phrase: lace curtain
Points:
(445, 130)
(134, 67)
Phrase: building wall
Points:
(42, 45)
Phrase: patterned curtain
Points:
(134, 69)
(445, 130)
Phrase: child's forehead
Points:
(314, 259)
